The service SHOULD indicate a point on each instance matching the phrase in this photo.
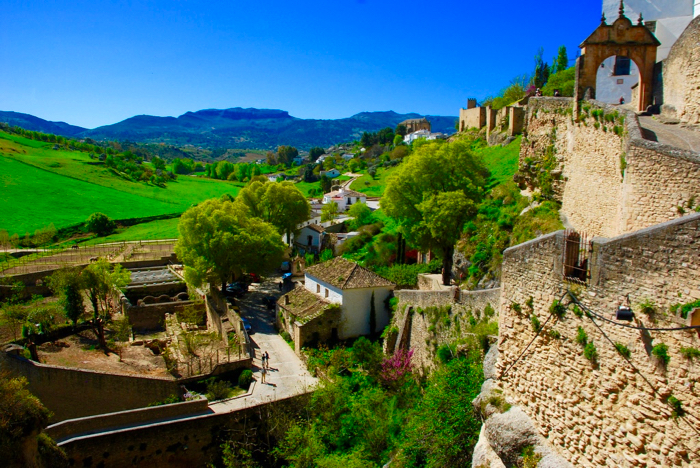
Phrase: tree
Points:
(158, 163)
(315, 152)
(100, 224)
(280, 204)
(541, 74)
(326, 184)
(286, 154)
(220, 239)
(401, 130)
(429, 178)
(329, 212)
(398, 139)
(361, 213)
(562, 61)
(4, 239)
(564, 81)
(13, 316)
(67, 285)
(102, 281)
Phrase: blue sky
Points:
(98, 62)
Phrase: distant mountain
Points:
(249, 128)
(29, 122)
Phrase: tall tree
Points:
(219, 239)
(420, 186)
(280, 204)
(315, 152)
(286, 154)
(329, 212)
(541, 74)
(102, 281)
(67, 285)
(562, 61)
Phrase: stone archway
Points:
(621, 38)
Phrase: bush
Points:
(445, 353)
(622, 349)
(557, 309)
(690, 353)
(590, 352)
(581, 337)
(286, 337)
(647, 306)
(554, 334)
(245, 379)
(515, 307)
(100, 224)
(217, 389)
(536, 325)
(661, 351)
(676, 407)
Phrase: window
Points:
(318, 289)
(622, 65)
(326, 292)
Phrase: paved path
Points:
(674, 135)
(288, 375)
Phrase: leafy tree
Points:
(541, 74)
(329, 212)
(224, 169)
(563, 80)
(326, 255)
(158, 163)
(398, 139)
(102, 281)
(286, 154)
(432, 176)
(280, 204)
(68, 286)
(13, 316)
(21, 424)
(326, 184)
(361, 213)
(366, 140)
(4, 238)
(315, 152)
(219, 239)
(45, 235)
(100, 224)
(372, 171)
(401, 130)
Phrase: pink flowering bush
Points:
(396, 367)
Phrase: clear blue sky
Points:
(98, 62)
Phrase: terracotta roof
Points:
(303, 304)
(315, 227)
(345, 274)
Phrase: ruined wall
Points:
(681, 77)
(472, 118)
(609, 180)
(74, 393)
(614, 412)
(423, 329)
(152, 316)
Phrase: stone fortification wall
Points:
(74, 393)
(182, 443)
(681, 77)
(609, 180)
(93, 424)
(425, 320)
(472, 118)
(612, 412)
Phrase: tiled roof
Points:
(345, 274)
(303, 304)
(345, 193)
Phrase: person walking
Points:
(263, 375)
(263, 358)
(267, 359)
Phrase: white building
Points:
(274, 177)
(348, 156)
(411, 137)
(333, 173)
(310, 238)
(335, 303)
(344, 198)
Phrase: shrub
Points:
(676, 407)
(661, 351)
(445, 353)
(581, 337)
(536, 325)
(499, 402)
(622, 349)
(557, 309)
(690, 353)
(100, 224)
(168, 401)
(245, 379)
(590, 352)
(530, 303)
(554, 334)
(217, 389)
(577, 311)
(286, 336)
(488, 311)
(517, 308)
(647, 306)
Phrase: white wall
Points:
(356, 308)
(335, 295)
(304, 237)
(606, 87)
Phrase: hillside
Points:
(236, 128)
(40, 185)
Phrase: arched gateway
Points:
(622, 38)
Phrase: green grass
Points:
(39, 185)
(373, 187)
(306, 188)
(501, 161)
(160, 229)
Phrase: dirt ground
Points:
(82, 351)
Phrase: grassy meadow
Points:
(373, 187)
(39, 186)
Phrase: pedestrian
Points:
(262, 360)
(263, 374)
(267, 359)
(622, 100)
(280, 285)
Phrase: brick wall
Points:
(613, 413)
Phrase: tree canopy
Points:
(433, 194)
(100, 224)
(279, 203)
(219, 239)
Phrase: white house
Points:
(411, 137)
(310, 237)
(348, 156)
(333, 173)
(274, 177)
(335, 303)
(344, 198)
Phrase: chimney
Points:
(286, 299)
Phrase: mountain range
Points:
(233, 128)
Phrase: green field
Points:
(373, 187)
(153, 230)
(39, 186)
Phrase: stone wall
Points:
(423, 327)
(681, 77)
(472, 118)
(74, 393)
(609, 180)
(613, 412)
(148, 317)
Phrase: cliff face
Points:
(682, 77)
